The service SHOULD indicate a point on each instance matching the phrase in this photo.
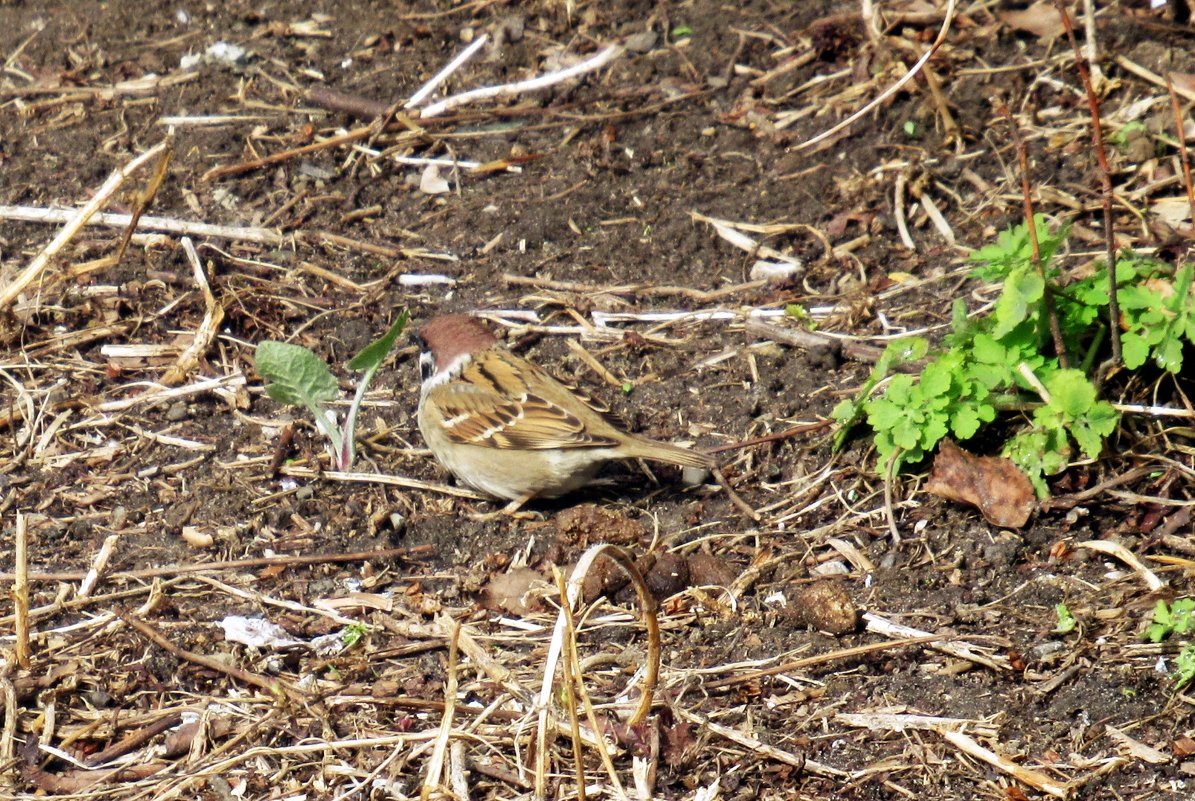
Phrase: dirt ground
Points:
(590, 212)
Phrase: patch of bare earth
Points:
(410, 640)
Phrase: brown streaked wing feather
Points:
(491, 407)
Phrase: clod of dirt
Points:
(664, 574)
(993, 484)
(707, 570)
(509, 591)
(586, 524)
(605, 577)
(668, 576)
(825, 606)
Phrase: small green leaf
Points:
(1170, 619)
(845, 412)
(936, 378)
(1169, 355)
(1023, 288)
(1181, 612)
(353, 633)
(1133, 349)
(1066, 621)
(375, 352)
(296, 375)
(801, 315)
(1184, 666)
(681, 31)
(964, 423)
(1070, 393)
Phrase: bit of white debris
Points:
(836, 567)
(425, 279)
(430, 182)
(764, 270)
(220, 52)
(256, 632)
(776, 599)
(329, 644)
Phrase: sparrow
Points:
(507, 428)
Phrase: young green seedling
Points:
(298, 377)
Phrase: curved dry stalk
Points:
(208, 328)
(1118, 551)
(647, 603)
(572, 683)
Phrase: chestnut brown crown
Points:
(452, 335)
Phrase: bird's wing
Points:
(493, 403)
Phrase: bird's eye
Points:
(426, 365)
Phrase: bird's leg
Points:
(511, 510)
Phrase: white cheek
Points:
(435, 378)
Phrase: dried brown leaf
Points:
(508, 591)
(1040, 19)
(993, 484)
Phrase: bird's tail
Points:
(670, 454)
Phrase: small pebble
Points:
(642, 42)
(826, 607)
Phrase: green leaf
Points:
(964, 423)
(904, 351)
(1181, 611)
(801, 315)
(1169, 355)
(1070, 393)
(1023, 288)
(1170, 619)
(884, 415)
(987, 350)
(1133, 349)
(1093, 428)
(297, 376)
(937, 376)
(373, 354)
(846, 411)
(1066, 621)
(1184, 666)
(935, 427)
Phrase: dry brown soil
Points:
(695, 118)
